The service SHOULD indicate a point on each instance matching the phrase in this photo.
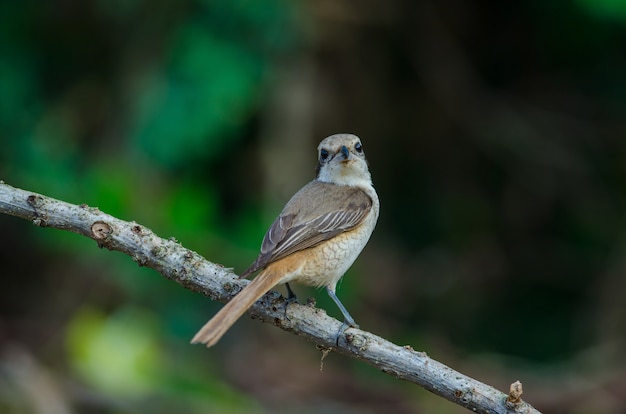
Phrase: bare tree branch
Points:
(192, 271)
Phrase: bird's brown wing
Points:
(318, 212)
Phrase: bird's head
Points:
(341, 160)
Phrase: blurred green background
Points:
(496, 136)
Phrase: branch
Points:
(195, 273)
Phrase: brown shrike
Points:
(316, 237)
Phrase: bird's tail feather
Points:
(214, 329)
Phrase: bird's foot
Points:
(291, 298)
(344, 327)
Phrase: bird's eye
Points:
(358, 147)
(323, 154)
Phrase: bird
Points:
(316, 237)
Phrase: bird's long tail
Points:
(214, 329)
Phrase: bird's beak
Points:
(345, 152)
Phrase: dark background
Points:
(495, 133)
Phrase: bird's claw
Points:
(344, 327)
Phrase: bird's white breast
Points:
(331, 259)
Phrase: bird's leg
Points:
(348, 321)
(291, 298)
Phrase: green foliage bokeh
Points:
(495, 137)
(124, 106)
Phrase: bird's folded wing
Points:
(318, 212)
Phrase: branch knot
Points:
(100, 231)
